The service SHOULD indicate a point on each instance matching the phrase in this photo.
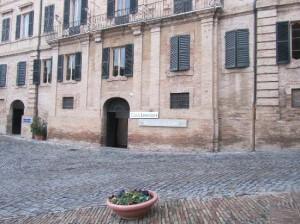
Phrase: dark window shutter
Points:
(49, 18)
(5, 29)
(105, 62)
(36, 71)
(78, 60)
(181, 6)
(133, 6)
(242, 51)
(174, 57)
(21, 75)
(283, 42)
(46, 19)
(50, 76)
(3, 69)
(110, 8)
(31, 20)
(184, 52)
(18, 27)
(66, 14)
(129, 57)
(84, 8)
(230, 52)
(60, 68)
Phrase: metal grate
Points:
(180, 100)
(295, 97)
(68, 102)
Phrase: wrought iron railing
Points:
(143, 13)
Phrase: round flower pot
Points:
(130, 212)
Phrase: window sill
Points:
(73, 82)
(45, 85)
(21, 87)
(3, 87)
(180, 73)
(294, 64)
(117, 78)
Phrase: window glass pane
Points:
(45, 72)
(122, 62)
(71, 67)
(120, 7)
(127, 6)
(116, 62)
(77, 13)
(49, 70)
(25, 25)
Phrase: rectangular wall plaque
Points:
(172, 123)
(27, 120)
(143, 115)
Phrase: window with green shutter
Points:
(60, 68)
(237, 49)
(5, 29)
(36, 71)
(49, 18)
(283, 42)
(180, 53)
(105, 63)
(3, 70)
(21, 73)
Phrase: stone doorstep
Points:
(280, 208)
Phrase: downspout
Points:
(36, 111)
(255, 79)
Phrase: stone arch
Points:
(14, 121)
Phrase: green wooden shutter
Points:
(36, 71)
(174, 54)
(5, 29)
(60, 68)
(66, 14)
(105, 63)
(21, 73)
(133, 6)
(84, 8)
(283, 43)
(49, 18)
(3, 69)
(31, 21)
(184, 52)
(230, 52)
(110, 8)
(242, 48)
(129, 58)
(78, 62)
(46, 19)
(18, 27)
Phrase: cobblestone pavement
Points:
(264, 209)
(40, 178)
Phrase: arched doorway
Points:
(17, 111)
(117, 114)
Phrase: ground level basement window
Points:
(68, 103)
(295, 97)
(180, 100)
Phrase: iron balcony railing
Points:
(143, 13)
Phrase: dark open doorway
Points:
(17, 110)
(117, 110)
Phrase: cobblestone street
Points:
(38, 178)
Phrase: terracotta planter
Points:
(133, 211)
(39, 137)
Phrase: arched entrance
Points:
(16, 113)
(117, 114)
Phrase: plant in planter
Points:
(39, 128)
(132, 204)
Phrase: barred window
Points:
(295, 97)
(68, 102)
(180, 100)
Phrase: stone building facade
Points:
(207, 75)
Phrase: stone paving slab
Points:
(38, 178)
(263, 209)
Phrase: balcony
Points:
(143, 13)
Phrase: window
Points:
(68, 103)
(74, 67)
(122, 58)
(180, 53)
(296, 40)
(21, 73)
(295, 97)
(24, 26)
(123, 8)
(71, 67)
(47, 73)
(181, 6)
(3, 70)
(75, 13)
(49, 18)
(237, 49)
(119, 61)
(180, 100)
(5, 29)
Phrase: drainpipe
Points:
(255, 78)
(36, 111)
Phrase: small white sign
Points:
(170, 123)
(143, 115)
(27, 120)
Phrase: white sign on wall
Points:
(170, 123)
(27, 120)
(143, 115)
